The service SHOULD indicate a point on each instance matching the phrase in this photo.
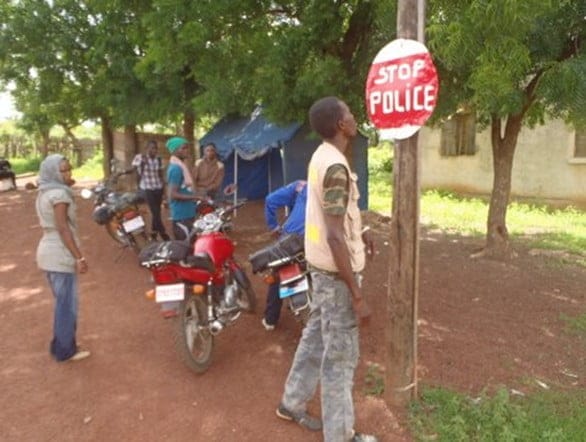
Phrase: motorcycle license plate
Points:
(289, 290)
(289, 273)
(170, 292)
(132, 225)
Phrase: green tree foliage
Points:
(27, 59)
(317, 48)
(148, 61)
(74, 60)
(224, 56)
(514, 63)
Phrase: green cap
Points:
(175, 143)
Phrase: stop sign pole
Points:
(403, 292)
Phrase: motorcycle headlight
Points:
(86, 194)
(210, 218)
(200, 225)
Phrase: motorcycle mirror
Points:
(230, 189)
(86, 194)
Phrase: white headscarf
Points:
(50, 176)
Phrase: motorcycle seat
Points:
(201, 261)
(287, 246)
(173, 251)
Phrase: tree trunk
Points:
(190, 88)
(503, 152)
(130, 144)
(45, 143)
(76, 148)
(188, 132)
(108, 144)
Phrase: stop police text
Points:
(405, 99)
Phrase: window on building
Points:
(580, 143)
(458, 135)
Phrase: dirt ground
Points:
(482, 324)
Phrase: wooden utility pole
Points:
(401, 331)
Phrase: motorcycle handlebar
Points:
(230, 209)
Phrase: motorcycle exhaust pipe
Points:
(216, 327)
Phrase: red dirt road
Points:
(482, 324)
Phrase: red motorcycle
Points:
(206, 279)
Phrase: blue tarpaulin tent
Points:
(260, 156)
(250, 150)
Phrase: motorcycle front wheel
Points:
(246, 294)
(193, 341)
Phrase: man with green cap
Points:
(181, 195)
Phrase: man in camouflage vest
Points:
(335, 250)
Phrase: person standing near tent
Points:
(293, 196)
(149, 167)
(208, 173)
(181, 200)
(335, 251)
(180, 192)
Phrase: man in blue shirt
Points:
(182, 200)
(293, 196)
(181, 194)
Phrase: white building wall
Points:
(543, 165)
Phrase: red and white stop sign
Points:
(401, 89)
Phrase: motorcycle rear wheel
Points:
(112, 227)
(136, 241)
(193, 341)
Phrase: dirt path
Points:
(482, 323)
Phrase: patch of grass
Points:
(380, 182)
(374, 381)
(92, 169)
(380, 158)
(548, 228)
(575, 325)
(25, 165)
(443, 415)
(537, 225)
(453, 214)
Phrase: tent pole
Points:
(235, 179)
(269, 167)
(282, 158)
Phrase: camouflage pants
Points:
(327, 353)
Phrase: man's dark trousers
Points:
(154, 199)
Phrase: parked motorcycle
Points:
(283, 262)
(206, 279)
(118, 212)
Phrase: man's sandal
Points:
(302, 418)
